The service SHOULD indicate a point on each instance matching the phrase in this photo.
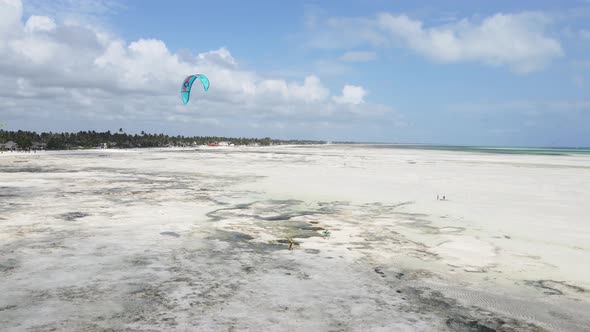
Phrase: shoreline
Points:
(469, 149)
(147, 149)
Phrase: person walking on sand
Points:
(290, 244)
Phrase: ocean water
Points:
(562, 151)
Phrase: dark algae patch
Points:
(231, 236)
(460, 318)
(71, 216)
(553, 287)
(173, 234)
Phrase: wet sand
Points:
(197, 239)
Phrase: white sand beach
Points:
(196, 239)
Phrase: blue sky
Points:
(452, 72)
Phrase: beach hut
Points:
(10, 145)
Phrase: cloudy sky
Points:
(454, 72)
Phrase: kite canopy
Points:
(185, 92)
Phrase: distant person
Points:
(437, 197)
(444, 198)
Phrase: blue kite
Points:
(188, 84)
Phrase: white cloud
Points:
(77, 74)
(221, 57)
(74, 11)
(514, 40)
(39, 23)
(38, 51)
(10, 15)
(519, 41)
(358, 56)
(351, 95)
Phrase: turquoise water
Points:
(489, 149)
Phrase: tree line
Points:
(92, 139)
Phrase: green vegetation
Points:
(92, 139)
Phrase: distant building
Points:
(103, 146)
(127, 144)
(10, 145)
(38, 146)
